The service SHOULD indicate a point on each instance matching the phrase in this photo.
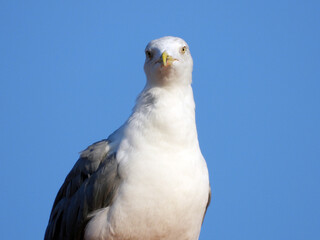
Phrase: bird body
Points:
(148, 180)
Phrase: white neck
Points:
(164, 115)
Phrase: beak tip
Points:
(164, 58)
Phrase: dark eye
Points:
(183, 49)
(148, 54)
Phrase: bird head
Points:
(168, 62)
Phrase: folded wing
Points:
(91, 184)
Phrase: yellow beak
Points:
(167, 60)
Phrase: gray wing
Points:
(90, 185)
(208, 203)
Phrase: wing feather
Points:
(208, 203)
(91, 184)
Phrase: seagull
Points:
(148, 180)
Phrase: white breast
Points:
(167, 204)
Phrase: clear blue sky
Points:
(70, 72)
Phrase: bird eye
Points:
(183, 49)
(148, 54)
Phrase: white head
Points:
(168, 62)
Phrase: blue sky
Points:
(70, 73)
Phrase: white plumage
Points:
(164, 185)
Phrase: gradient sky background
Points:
(70, 72)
